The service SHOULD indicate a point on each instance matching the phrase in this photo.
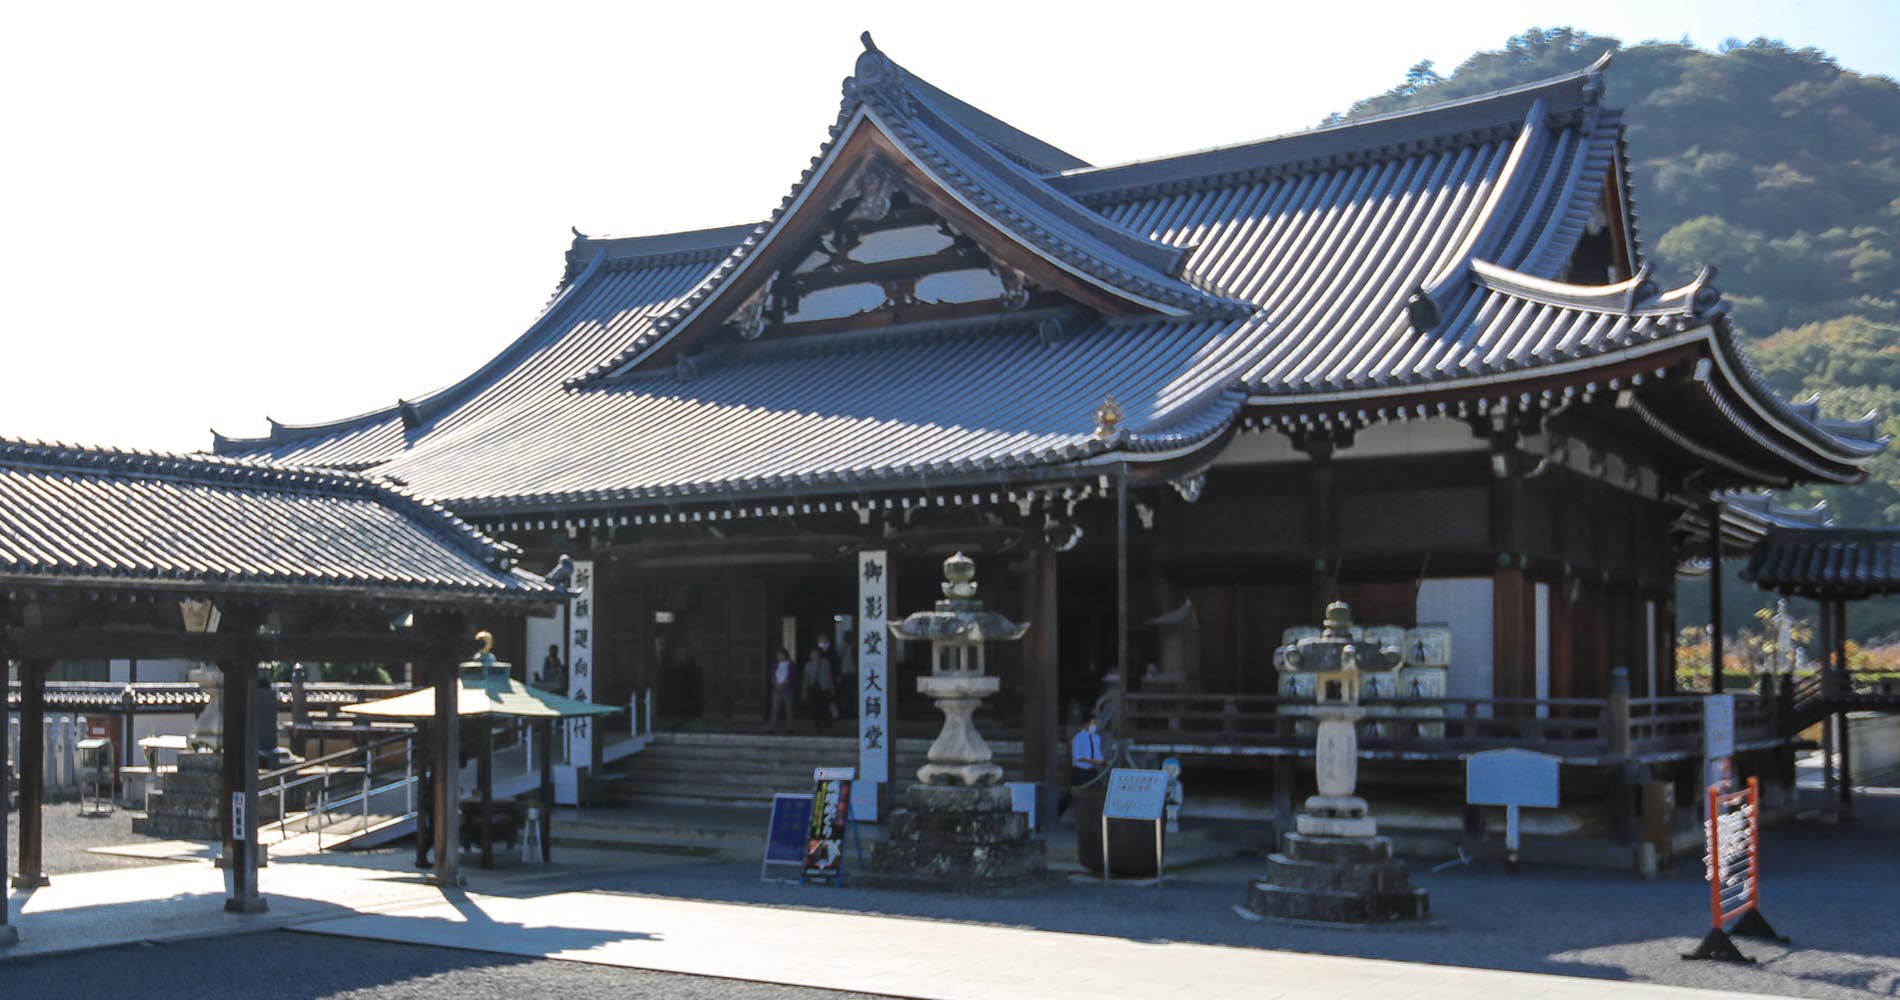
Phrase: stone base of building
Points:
(1338, 880)
(961, 839)
(188, 805)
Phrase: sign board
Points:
(239, 832)
(1022, 799)
(786, 838)
(874, 641)
(567, 785)
(830, 819)
(1718, 726)
(1135, 794)
(580, 662)
(1511, 778)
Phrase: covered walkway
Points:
(115, 554)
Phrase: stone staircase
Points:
(722, 769)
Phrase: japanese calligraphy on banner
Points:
(580, 662)
(874, 640)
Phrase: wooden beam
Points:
(47, 642)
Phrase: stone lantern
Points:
(1336, 869)
(959, 829)
(957, 629)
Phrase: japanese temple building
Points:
(1418, 362)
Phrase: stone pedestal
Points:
(959, 756)
(1337, 880)
(964, 839)
(186, 805)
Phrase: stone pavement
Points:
(932, 960)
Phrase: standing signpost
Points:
(874, 729)
(1512, 778)
(1136, 795)
(1733, 870)
(830, 823)
(580, 660)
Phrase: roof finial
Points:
(869, 46)
(1108, 418)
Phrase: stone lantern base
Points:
(963, 839)
(1337, 880)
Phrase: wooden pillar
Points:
(1715, 596)
(1041, 732)
(1121, 610)
(425, 793)
(1322, 528)
(447, 797)
(1513, 632)
(548, 729)
(240, 784)
(8, 935)
(1847, 686)
(485, 782)
(31, 873)
(1827, 690)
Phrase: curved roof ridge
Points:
(1459, 121)
(939, 141)
(1627, 296)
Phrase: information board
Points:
(1134, 794)
(830, 819)
(1718, 726)
(789, 833)
(1512, 778)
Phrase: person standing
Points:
(1085, 761)
(818, 691)
(553, 672)
(784, 689)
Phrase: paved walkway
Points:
(933, 960)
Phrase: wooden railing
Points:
(1578, 729)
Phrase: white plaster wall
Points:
(1464, 605)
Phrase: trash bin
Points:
(1131, 843)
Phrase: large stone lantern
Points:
(957, 629)
(959, 829)
(1336, 869)
(1337, 660)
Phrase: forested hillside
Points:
(1780, 168)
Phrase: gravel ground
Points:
(288, 966)
(69, 836)
(1830, 888)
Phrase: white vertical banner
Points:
(580, 662)
(874, 702)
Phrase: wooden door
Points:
(747, 652)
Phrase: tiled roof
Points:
(102, 519)
(1405, 254)
(1827, 562)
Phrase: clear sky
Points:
(212, 214)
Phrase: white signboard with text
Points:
(874, 703)
(580, 662)
(1718, 738)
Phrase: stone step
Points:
(1314, 906)
(1338, 851)
(1376, 878)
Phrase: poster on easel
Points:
(830, 815)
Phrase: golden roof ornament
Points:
(1108, 418)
